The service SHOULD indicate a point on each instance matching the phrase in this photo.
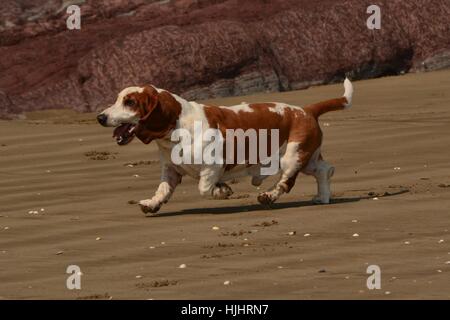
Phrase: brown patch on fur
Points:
(322, 107)
(294, 126)
(260, 118)
(159, 112)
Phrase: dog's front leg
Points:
(209, 185)
(170, 178)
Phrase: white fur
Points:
(118, 113)
(290, 165)
(323, 172)
(244, 107)
(348, 93)
(280, 107)
(289, 162)
(169, 180)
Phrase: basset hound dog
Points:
(153, 114)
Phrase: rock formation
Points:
(207, 48)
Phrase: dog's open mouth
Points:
(124, 133)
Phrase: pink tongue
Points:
(122, 130)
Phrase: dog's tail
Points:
(345, 102)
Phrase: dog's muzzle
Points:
(102, 119)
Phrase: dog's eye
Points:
(129, 103)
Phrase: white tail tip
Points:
(348, 94)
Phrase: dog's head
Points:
(144, 112)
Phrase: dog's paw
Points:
(321, 199)
(221, 191)
(266, 198)
(150, 206)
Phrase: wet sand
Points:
(391, 187)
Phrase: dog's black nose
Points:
(101, 118)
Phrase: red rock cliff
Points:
(207, 48)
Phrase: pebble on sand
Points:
(215, 228)
(376, 198)
(59, 253)
(355, 235)
(292, 233)
(407, 242)
(138, 277)
(227, 283)
(355, 221)
(182, 266)
(98, 238)
(441, 241)
(306, 235)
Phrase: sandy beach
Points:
(68, 194)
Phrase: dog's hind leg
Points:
(290, 164)
(322, 171)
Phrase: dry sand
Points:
(392, 145)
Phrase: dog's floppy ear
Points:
(159, 114)
(148, 100)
